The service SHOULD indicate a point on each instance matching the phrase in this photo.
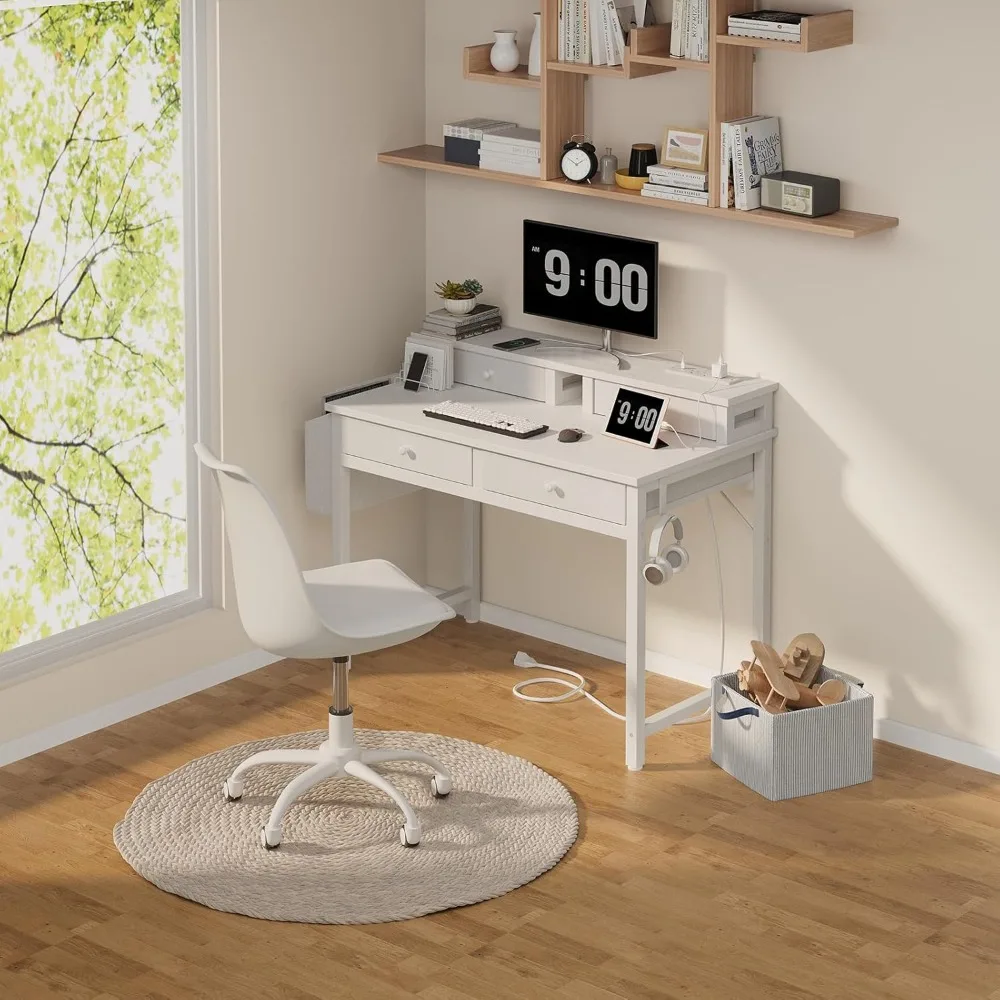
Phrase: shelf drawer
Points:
(500, 375)
(552, 487)
(404, 450)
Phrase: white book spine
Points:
(726, 168)
(676, 20)
(529, 152)
(778, 36)
(752, 22)
(585, 30)
(575, 31)
(505, 157)
(616, 30)
(686, 50)
(706, 26)
(561, 26)
(674, 194)
(608, 14)
(697, 183)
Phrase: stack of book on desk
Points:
(677, 184)
(513, 151)
(483, 319)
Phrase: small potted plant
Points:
(460, 298)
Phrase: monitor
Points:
(594, 279)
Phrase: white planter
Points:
(504, 56)
(461, 307)
(535, 54)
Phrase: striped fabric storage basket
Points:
(796, 753)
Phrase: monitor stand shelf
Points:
(719, 411)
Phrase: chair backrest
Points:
(270, 593)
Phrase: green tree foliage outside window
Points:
(92, 492)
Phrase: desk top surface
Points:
(596, 455)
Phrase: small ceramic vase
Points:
(504, 56)
(535, 52)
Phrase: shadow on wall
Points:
(693, 311)
(862, 591)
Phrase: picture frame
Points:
(686, 148)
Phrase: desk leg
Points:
(635, 635)
(762, 478)
(341, 513)
(472, 526)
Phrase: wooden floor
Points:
(683, 883)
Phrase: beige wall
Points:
(886, 537)
(322, 269)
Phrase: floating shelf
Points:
(847, 225)
(819, 31)
(651, 47)
(585, 69)
(476, 65)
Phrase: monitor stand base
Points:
(605, 347)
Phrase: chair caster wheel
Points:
(440, 787)
(411, 839)
(232, 791)
(265, 840)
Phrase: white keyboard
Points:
(485, 420)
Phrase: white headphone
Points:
(662, 566)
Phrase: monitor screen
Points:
(591, 278)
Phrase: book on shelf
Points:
(683, 195)
(510, 165)
(595, 32)
(774, 36)
(517, 141)
(694, 180)
(463, 139)
(756, 150)
(773, 20)
(477, 128)
(689, 30)
(727, 186)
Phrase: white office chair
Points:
(338, 612)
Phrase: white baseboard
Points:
(136, 704)
(945, 747)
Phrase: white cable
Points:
(524, 660)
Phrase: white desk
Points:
(599, 484)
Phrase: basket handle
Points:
(737, 713)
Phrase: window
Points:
(99, 330)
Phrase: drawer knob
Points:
(407, 452)
(553, 488)
(487, 375)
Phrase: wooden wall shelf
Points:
(819, 32)
(476, 65)
(847, 225)
(563, 112)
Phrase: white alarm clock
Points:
(579, 160)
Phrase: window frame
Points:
(199, 85)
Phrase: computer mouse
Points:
(570, 436)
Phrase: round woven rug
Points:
(340, 862)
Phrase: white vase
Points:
(462, 307)
(504, 55)
(535, 53)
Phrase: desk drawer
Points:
(552, 487)
(500, 375)
(404, 450)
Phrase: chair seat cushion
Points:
(372, 599)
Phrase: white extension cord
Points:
(574, 690)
